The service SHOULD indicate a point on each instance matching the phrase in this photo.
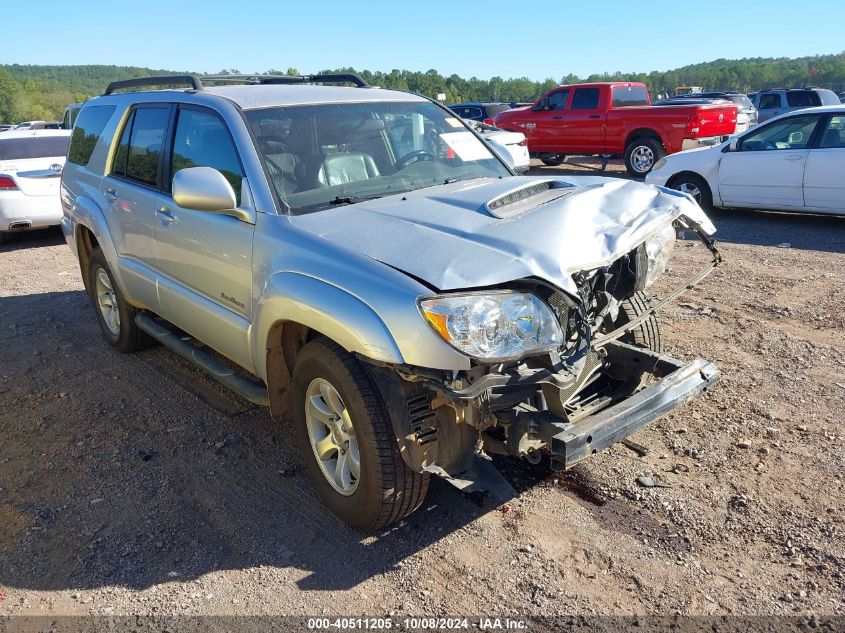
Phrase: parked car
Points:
(31, 164)
(771, 103)
(793, 162)
(71, 112)
(479, 111)
(510, 145)
(615, 118)
(5, 126)
(38, 125)
(359, 259)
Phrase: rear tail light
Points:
(7, 183)
(523, 142)
(489, 122)
(693, 124)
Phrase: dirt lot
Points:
(133, 485)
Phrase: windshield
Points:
(320, 156)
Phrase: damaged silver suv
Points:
(361, 262)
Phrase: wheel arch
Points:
(644, 132)
(296, 308)
(91, 231)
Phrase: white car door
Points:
(824, 173)
(766, 169)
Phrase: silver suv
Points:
(358, 260)
(771, 103)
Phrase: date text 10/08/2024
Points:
(416, 624)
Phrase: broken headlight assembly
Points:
(653, 256)
(496, 326)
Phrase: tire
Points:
(123, 334)
(641, 155)
(385, 490)
(694, 185)
(554, 162)
(647, 334)
(2, 237)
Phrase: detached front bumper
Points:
(598, 431)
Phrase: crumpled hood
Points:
(446, 236)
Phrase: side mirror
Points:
(796, 138)
(732, 146)
(206, 189)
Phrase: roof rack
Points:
(334, 78)
(192, 80)
(196, 81)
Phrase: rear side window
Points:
(802, 99)
(585, 99)
(86, 132)
(493, 110)
(138, 155)
(34, 147)
(629, 96)
(769, 101)
(202, 140)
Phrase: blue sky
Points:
(530, 38)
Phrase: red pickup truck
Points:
(615, 118)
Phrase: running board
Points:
(251, 390)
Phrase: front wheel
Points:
(641, 155)
(554, 160)
(346, 439)
(694, 185)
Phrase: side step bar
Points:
(252, 390)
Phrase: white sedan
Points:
(31, 163)
(511, 146)
(794, 162)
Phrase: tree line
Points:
(42, 92)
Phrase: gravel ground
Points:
(134, 485)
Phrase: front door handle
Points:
(557, 116)
(793, 157)
(595, 116)
(166, 215)
(111, 194)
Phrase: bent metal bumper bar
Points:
(611, 425)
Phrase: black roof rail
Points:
(196, 82)
(288, 79)
(191, 80)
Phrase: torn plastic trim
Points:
(602, 340)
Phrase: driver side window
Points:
(788, 134)
(557, 100)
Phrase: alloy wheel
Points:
(332, 436)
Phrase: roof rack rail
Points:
(167, 80)
(195, 82)
(288, 79)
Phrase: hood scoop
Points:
(526, 197)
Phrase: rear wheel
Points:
(641, 155)
(115, 316)
(346, 439)
(694, 185)
(554, 160)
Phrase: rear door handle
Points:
(793, 157)
(595, 116)
(557, 117)
(111, 194)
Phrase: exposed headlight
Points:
(660, 164)
(494, 326)
(653, 255)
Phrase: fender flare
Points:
(292, 297)
(88, 214)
